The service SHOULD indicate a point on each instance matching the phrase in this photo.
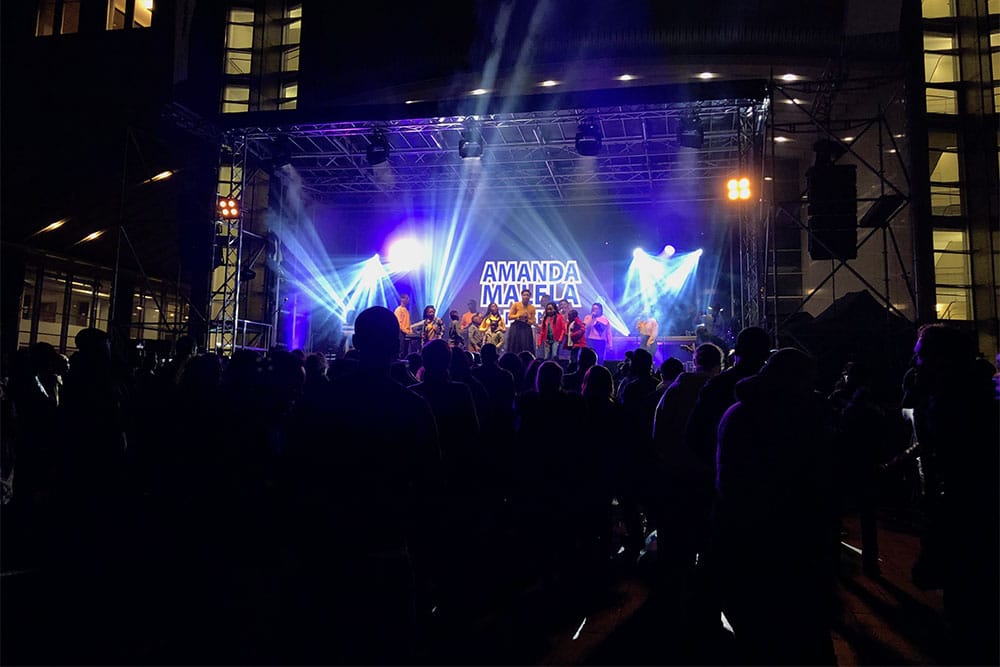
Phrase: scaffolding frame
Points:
(877, 217)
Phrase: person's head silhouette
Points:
(376, 337)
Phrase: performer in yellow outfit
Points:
(493, 327)
(522, 318)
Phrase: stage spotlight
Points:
(229, 208)
(638, 252)
(738, 188)
(690, 132)
(378, 149)
(406, 254)
(669, 250)
(588, 138)
(471, 143)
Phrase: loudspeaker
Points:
(833, 211)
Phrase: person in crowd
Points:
(513, 363)
(598, 331)
(573, 382)
(500, 386)
(956, 421)
(774, 486)
(863, 442)
(375, 495)
(669, 369)
(552, 330)
(683, 502)
(522, 318)
(493, 327)
(576, 338)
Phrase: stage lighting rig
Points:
(738, 189)
(378, 148)
(229, 209)
(471, 142)
(588, 137)
(690, 132)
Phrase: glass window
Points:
(237, 94)
(933, 9)
(287, 105)
(940, 68)
(239, 36)
(238, 62)
(995, 40)
(46, 18)
(241, 15)
(143, 14)
(290, 90)
(939, 41)
(944, 167)
(952, 274)
(70, 17)
(951, 240)
(290, 60)
(292, 32)
(953, 303)
(942, 101)
(116, 15)
(946, 200)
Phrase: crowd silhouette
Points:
(283, 508)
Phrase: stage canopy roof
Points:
(659, 144)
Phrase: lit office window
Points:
(290, 60)
(946, 181)
(952, 274)
(57, 17)
(70, 17)
(934, 9)
(942, 100)
(235, 99)
(116, 15)
(292, 32)
(289, 96)
(143, 17)
(238, 59)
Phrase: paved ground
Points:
(882, 621)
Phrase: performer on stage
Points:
(648, 328)
(522, 317)
(431, 327)
(474, 335)
(551, 332)
(402, 313)
(455, 335)
(598, 331)
(493, 327)
(576, 338)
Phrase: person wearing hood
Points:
(775, 514)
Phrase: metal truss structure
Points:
(528, 158)
(224, 323)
